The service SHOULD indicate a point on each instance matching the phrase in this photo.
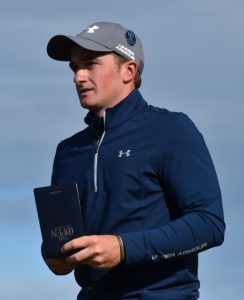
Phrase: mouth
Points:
(83, 91)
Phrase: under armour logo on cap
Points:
(92, 29)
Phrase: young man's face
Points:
(98, 79)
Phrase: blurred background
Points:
(193, 63)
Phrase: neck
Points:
(100, 112)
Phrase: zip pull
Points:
(96, 154)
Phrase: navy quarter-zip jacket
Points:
(145, 174)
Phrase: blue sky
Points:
(193, 63)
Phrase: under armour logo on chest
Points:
(124, 153)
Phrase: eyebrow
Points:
(83, 59)
(92, 56)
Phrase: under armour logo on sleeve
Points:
(124, 153)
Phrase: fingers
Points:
(79, 243)
(97, 251)
(89, 250)
(60, 265)
(86, 256)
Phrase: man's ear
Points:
(129, 70)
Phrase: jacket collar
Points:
(119, 113)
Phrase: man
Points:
(150, 196)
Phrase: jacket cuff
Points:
(135, 247)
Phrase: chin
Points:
(87, 105)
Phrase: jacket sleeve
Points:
(190, 185)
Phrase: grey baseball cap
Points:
(100, 37)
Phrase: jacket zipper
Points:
(99, 142)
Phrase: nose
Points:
(80, 76)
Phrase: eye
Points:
(84, 65)
(89, 64)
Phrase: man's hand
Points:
(97, 251)
(60, 265)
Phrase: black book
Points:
(60, 217)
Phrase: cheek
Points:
(102, 83)
(112, 80)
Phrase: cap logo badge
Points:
(92, 29)
(130, 37)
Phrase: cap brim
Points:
(59, 47)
